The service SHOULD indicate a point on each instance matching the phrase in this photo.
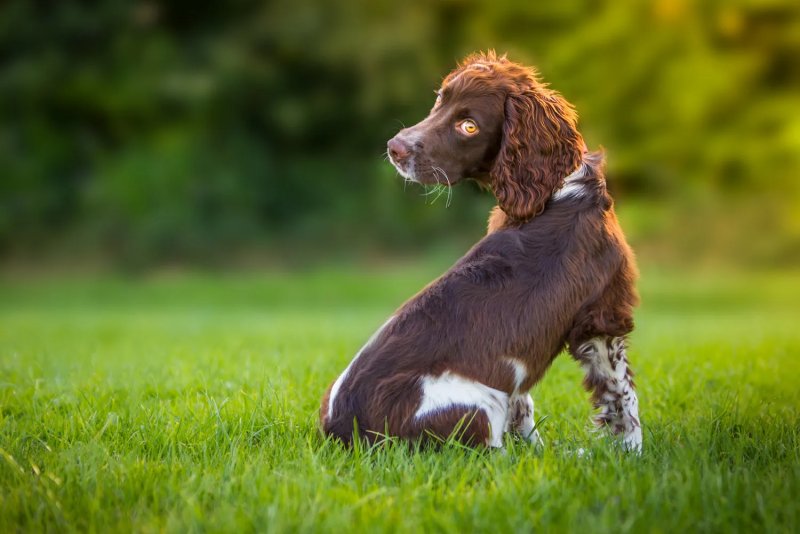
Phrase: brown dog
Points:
(553, 271)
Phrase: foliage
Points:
(156, 131)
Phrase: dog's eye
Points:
(467, 127)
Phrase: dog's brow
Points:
(474, 66)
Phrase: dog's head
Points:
(494, 122)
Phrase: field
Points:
(188, 403)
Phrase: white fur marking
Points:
(340, 380)
(619, 403)
(573, 186)
(447, 390)
(520, 372)
(520, 418)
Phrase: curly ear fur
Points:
(541, 146)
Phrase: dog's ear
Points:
(541, 146)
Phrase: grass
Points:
(189, 403)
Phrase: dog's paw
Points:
(535, 439)
(632, 441)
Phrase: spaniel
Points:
(553, 272)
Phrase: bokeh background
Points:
(141, 134)
(198, 230)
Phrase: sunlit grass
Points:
(189, 403)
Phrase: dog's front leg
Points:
(520, 418)
(609, 378)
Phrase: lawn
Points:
(188, 403)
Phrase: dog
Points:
(553, 272)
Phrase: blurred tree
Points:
(174, 131)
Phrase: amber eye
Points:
(467, 127)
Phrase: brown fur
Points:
(549, 274)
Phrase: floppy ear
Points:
(541, 146)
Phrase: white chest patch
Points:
(573, 185)
(339, 381)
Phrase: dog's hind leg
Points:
(450, 393)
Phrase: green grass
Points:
(189, 403)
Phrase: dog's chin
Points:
(407, 174)
(439, 179)
(428, 179)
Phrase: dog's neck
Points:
(576, 185)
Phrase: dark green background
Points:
(136, 134)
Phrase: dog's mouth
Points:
(432, 178)
(405, 151)
(436, 176)
(405, 168)
(424, 173)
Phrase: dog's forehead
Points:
(479, 66)
(473, 80)
(462, 75)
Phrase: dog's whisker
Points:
(438, 170)
(435, 188)
(429, 192)
(442, 191)
(439, 190)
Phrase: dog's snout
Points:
(398, 150)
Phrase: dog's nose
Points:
(397, 150)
